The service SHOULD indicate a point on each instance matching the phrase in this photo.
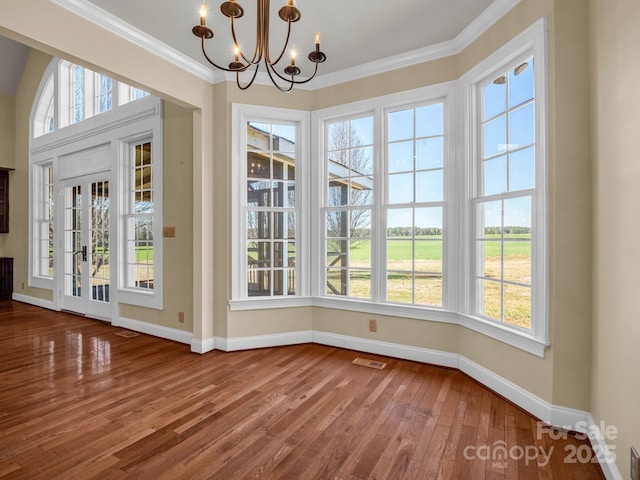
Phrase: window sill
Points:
(140, 299)
(519, 339)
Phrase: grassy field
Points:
(428, 282)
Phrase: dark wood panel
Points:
(78, 401)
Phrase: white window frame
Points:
(241, 114)
(530, 43)
(36, 207)
(152, 298)
(379, 107)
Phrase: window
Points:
(82, 94)
(43, 222)
(269, 191)
(348, 209)
(505, 101)
(415, 160)
(506, 176)
(384, 203)
(139, 220)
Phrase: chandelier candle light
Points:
(289, 13)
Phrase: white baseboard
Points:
(203, 346)
(38, 302)
(155, 330)
(566, 418)
(601, 448)
(424, 355)
(264, 341)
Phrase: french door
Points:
(87, 232)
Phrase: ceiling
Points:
(356, 34)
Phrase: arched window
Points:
(81, 94)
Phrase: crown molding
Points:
(477, 27)
(117, 26)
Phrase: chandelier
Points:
(241, 63)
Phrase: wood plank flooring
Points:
(78, 401)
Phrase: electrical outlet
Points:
(635, 464)
(181, 317)
(373, 325)
(22, 285)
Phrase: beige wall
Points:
(7, 141)
(615, 72)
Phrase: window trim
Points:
(378, 107)
(530, 43)
(241, 114)
(151, 298)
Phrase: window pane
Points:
(360, 226)
(361, 191)
(491, 253)
(428, 290)
(258, 283)
(429, 186)
(429, 120)
(400, 222)
(362, 131)
(399, 287)
(521, 83)
(430, 153)
(494, 175)
(428, 221)
(494, 96)
(495, 136)
(337, 224)
(517, 213)
(336, 281)
(522, 170)
(360, 254)
(428, 256)
(361, 161)
(517, 305)
(401, 157)
(517, 260)
(337, 253)
(401, 125)
(491, 298)
(400, 255)
(258, 165)
(521, 127)
(401, 188)
(284, 194)
(338, 136)
(284, 138)
(258, 193)
(360, 283)
(490, 218)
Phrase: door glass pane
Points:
(99, 216)
(73, 242)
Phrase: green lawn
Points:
(430, 248)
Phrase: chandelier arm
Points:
(293, 82)
(270, 69)
(255, 59)
(284, 48)
(204, 52)
(255, 73)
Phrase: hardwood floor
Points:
(78, 401)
